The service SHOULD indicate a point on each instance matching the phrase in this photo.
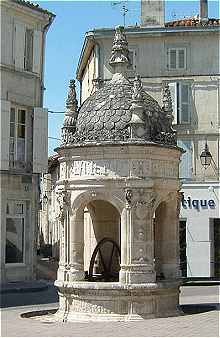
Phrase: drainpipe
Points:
(45, 30)
(97, 81)
(97, 60)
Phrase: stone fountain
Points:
(119, 201)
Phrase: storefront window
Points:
(217, 247)
(15, 222)
(182, 241)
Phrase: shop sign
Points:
(197, 204)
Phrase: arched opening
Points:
(158, 239)
(101, 241)
(166, 241)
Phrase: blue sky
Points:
(65, 38)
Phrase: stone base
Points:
(85, 301)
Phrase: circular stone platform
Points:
(105, 301)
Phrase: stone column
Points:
(125, 227)
(64, 220)
(137, 244)
(76, 261)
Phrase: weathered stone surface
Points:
(106, 115)
(119, 182)
(111, 301)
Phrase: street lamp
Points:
(206, 157)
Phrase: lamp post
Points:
(206, 157)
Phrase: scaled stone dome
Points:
(120, 111)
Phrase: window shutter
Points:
(19, 45)
(40, 140)
(173, 92)
(172, 59)
(4, 134)
(184, 102)
(37, 48)
(29, 49)
(186, 159)
(181, 58)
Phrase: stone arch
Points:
(109, 209)
(162, 197)
(85, 197)
(166, 237)
(103, 222)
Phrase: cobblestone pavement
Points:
(205, 324)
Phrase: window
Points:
(181, 101)
(28, 52)
(186, 164)
(132, 59)
(15, 225)
(176, 58)
(216, 243)
(17, 137)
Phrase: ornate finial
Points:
(69, 123)
(137, 95)
(137, 120)
(166, 134)
(71, 101)
(119, 49)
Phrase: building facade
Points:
(174, 53)
(49, 229)
(23, 133)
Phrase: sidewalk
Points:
(199, 303)
(199, 281)
(24, 286)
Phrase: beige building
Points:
(173, 53)
(184, 54)
(23, 133)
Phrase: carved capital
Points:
(144, 200)
(178, 207)
(63, 198)
(128, 197)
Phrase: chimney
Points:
(204, 9)
(152, 13)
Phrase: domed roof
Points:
(121, 111)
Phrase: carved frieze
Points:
(117, 167)
(140, 168)
(122, 168)
(162, 168)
